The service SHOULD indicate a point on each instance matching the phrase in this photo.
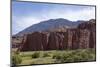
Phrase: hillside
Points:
(50, 25)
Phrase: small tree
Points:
(36, 55)
(16, 59)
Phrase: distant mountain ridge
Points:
(50, 25)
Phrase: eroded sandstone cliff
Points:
(84, 36)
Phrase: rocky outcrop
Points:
(82, 37)
(16, 42)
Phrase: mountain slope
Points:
(50, 25)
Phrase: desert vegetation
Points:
(16, 59)
(53, 56)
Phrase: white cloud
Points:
(84, 14)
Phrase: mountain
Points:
(82, 37)
(50, 25)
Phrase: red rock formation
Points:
(35, 41)
(90, 26)
(82, 37)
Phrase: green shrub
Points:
(16, 59)
(67, 57)
(36, 55)
(26, 55)
(56, 56)
(84, 55)
(62, 57)
(75, 56)
(46, 55)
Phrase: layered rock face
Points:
(84, 36)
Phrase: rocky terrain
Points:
(80, 37)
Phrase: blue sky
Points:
(25, 14)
